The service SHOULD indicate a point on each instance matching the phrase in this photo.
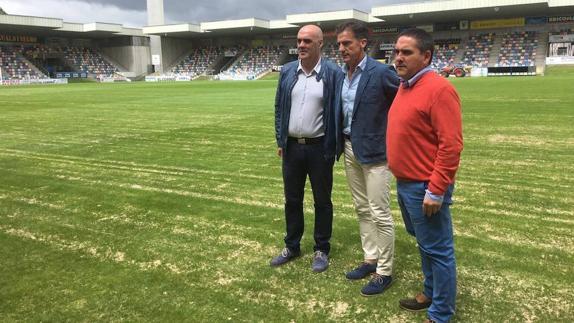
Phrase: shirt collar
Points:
(317, 67)
(362, 65)
(411, 82)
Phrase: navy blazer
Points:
(331, 75)
(375, 93)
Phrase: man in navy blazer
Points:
(366, 94)
(306, 143)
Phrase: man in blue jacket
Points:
(366, 94)
(305, 133)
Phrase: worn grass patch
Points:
(163, 202)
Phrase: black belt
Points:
(307, 141)
(348, 137)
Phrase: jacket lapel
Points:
(365, 76)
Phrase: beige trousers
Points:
(370, 187)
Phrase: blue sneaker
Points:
(320, 261)
(377, 285)
(285, 256)
(364, 270)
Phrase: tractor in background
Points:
(456, 70)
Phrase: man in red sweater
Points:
(424, 142)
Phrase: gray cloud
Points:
(206, 10)
(177, 11)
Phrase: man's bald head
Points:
(309, 44)
(313, 31)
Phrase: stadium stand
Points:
(445, 52)
(89, 60)
(562, 47)
(198, 62)
(331, 51)
(254, 62)
(15, 66)
(28, 61)
(476, 40)
(477, 50)
(518, 49)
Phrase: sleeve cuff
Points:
(434, 197)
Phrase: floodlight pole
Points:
(155, 17)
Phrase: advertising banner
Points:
(34, 81)
(156, 59)
(61, 75)
(561, 38)
(560, 19)
(168, 78)
(18, 39)
(560, 60)
(536, 20)
(497, 23)
(385, 30)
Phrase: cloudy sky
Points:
(132, 12)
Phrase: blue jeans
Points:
(300, 161)
(436, 246)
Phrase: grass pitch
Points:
(163, 202)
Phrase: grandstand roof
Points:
(433, 11)
(42, 26)
(327, 19)
(406, 14)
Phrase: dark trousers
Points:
(298, 162)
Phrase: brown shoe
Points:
(416, 304)
(428, 321)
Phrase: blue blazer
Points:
(375, 93)
(331, 75)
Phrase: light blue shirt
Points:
(349, 92)
(306, 117)
(411, 82)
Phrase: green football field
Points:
(164, 202)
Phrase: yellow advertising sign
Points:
(18, 39)
(257, 43)
(497, 23)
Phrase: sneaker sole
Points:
(413, 310)
(381, 293)
(281, 264)
(355, 279)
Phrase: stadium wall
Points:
(172, 49)
(136, 59)
(130, 53)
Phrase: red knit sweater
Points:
(424, 134)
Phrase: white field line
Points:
(500, 182)
(526, 213)
(94, 251)
(155, 169)
(477, 234)
(542, 298)
(204, 196)
(32, 201)
(554, 245)
(564, 245)
(130, 166)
